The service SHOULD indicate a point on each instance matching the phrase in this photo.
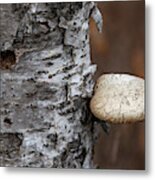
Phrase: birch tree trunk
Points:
(46, 80)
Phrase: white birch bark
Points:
(45, 121)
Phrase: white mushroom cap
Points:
(118, 98)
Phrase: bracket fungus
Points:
(118, 98)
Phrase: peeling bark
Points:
(45, 121)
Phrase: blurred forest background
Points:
(120, 48)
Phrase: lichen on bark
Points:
(43, 102)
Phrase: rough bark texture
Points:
(43, 104)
